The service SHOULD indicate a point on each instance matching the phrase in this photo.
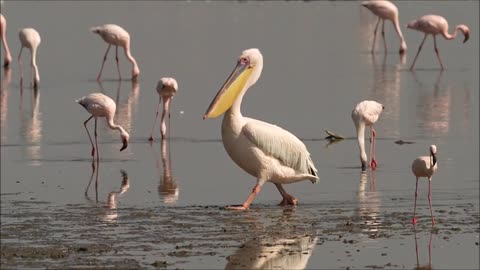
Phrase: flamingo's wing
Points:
(280, 144)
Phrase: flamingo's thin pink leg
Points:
(414, 220)
(419, 48)
(436, 51)
(383, 36)
(156, 116)
(430, 199)
(103, 63)
(373, 164)
(96, 140)
(166, 109)
(375, 35)
(91, 141)
(118, 63)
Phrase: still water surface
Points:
(317, 66)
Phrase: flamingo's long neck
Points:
(360, 125)
(34, 63)
(128, 54)
(396, 23)
(114, 126)
(5, 45)
(448, 36)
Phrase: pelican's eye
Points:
(243, 60)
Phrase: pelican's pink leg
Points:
(85, 125)
(166, 109)
(430, 199)
(287, 198)
(247, 203)
(419, 48)
(414, 219)
(103, 63)
(156, 116)
(375, 35)
(118, 63)
(20, 65)
(383, 36)
(436, 51)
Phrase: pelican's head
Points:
(167, 85)
(246, 73)
(433, 153)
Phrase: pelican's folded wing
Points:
(278, 143)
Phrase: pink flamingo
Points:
(166, 88)
(385, 10)
(117, 36)
(367, 113)
(30, 38)
(433, 25)
(3, 33)
(425, 166)
(100, 105)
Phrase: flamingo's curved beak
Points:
(125, 144)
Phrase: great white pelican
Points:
(263, 150)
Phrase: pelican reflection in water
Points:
(167, 187)
(274, 248)
(263, 150)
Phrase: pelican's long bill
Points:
(230, 90)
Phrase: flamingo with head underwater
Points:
(265, 151)
(366, 113)
(30, 38)
(3, 33)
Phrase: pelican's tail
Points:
(313, 171)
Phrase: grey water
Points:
(161, 203)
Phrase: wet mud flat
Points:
(37, 234)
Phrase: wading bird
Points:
(366, 113)
(166, 89)
(263, 150)
(100, 105)
(385, 10)
(3, 32)
(30, 38)
(117, 36)
(425, 166)
(434, 25)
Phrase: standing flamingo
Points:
(166, 88)
(385, 10)
(100, 105)
(265, 151)
(366, 113)
(117, 36)
(425, 166)
(3, 33)
(30, 38)
(433, 25)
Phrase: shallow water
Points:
(161, 204)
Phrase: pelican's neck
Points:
(360, 125)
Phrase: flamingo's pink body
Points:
(100, 105)
(425, 166)
(434, 25)
(366, 113)
(117, 36)
(30, 38)
(3, 32)
(166, 88)
(385, 10)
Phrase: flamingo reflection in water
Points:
(275, 247)
(109, 213)
(31, 127)
(427, 266)
(369, 203)
(7, 76)
(167, 187)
